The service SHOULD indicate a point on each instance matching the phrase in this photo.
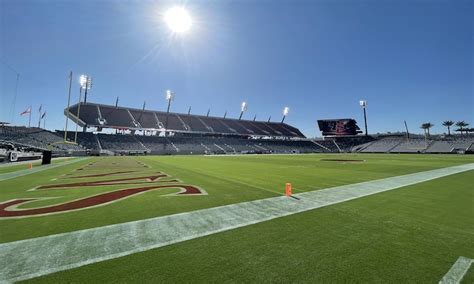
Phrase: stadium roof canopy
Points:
(108, 116)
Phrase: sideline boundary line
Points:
(457, 271)
(37, 169)
(36, 257)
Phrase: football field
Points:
(353, 218)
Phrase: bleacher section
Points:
(195, 143)
(384, 145)
(121, 143)
(159, 145)
(451, 144)
(87, 140)
(36, 138)
(411, 146)
(105, 116)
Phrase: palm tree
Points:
(448, 124)
(429, 125)
(461, 124)
(426, 127)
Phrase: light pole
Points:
(243, 108)
(169, 97)
(88, 86)
(286, 110)
(363, 104)
(83, 85)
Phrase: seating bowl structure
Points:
(146, 132)
(106, 116)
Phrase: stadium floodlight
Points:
(286, 110)
(85, 81)
(243, 108)
(363, 104)
(83, 85)
(169, 97)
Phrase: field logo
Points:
(131, 186)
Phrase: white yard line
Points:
(36, 169)
(40, 256)
(457, 271)
(12, 164)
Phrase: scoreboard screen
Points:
(339, 127)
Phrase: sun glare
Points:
(178, 19)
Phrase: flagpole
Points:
(44, 121)
(39, 119)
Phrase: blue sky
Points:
(411, 60)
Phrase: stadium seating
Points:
(201, 142)
(121, 143)
(145, 119)
(88, 113)
(449, 145)
(103, 116)
(87, 140)
(400, 144)
(411, 146)
(36, 138)
(382, 146)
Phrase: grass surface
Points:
(413, 234)
(469, 277)
(227, 179)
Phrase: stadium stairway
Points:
(208, 150)
(339, 148)
(220, 147)
(321, 146)
(144, 147)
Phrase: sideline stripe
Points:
(457, 271)
(31, 258)
(7, 176)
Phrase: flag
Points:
(39, 110)
(28, 110)
(44, 114)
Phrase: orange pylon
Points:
(288, 189)
(30, 165)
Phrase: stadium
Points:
(115, 193)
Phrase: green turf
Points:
(469, 277)
(227, 179)
(409, 235)
(413, 234)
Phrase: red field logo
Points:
(132, 186)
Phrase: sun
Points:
(178, 20)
